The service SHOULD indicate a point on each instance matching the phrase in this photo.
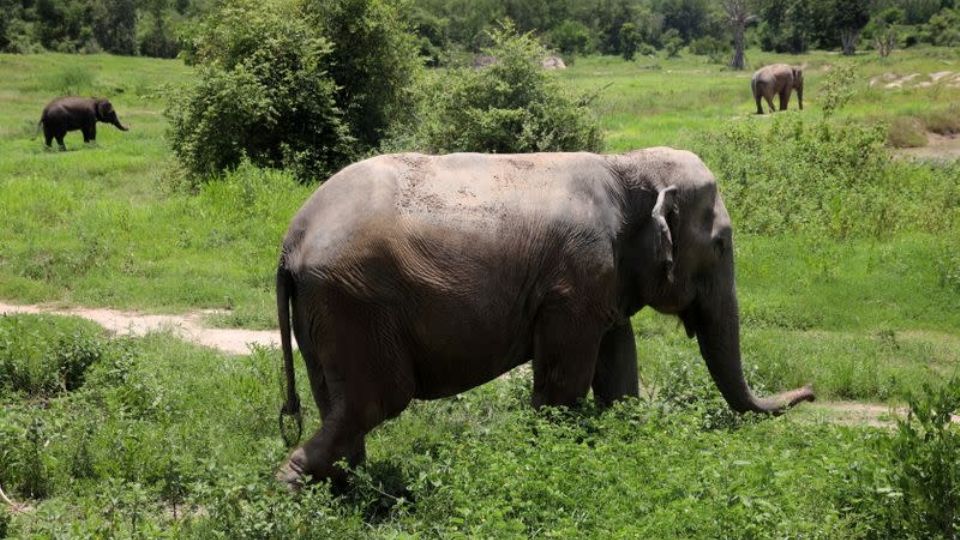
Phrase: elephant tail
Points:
(291, 406)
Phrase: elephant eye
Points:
(720, 244)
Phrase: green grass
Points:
(868, 313)
(161, 424)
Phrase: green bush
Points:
(305, 85)
(571, 37)
(906, 132)
(714, 49)
(40, 356)
(511, 106)
(826, 179)
(914, 492)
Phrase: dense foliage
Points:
(302, 85)
(445, 27)
(510, 106)
(834, 180)
(147, 27)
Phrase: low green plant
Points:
(672, 43)
(42, 359)
(916, 493)
(926, 469)
(838, 87)
(943, 121)
(74, 79)
(714, 49)
(906, 132)
(825, 178)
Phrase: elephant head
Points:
(798, 84)
(687, 232)
(105, 113)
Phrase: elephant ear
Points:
(664, 212)
(797, 75)
(103, 109)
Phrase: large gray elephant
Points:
(777, 80)
(413, 276)
(71, 113)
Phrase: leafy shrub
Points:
(511, 106)
(41, 356)
(906, 132)
(917, 493)
(943, 121)
(672, 43)
(630, 40)
(715, 49)
(944, 28)
(838, 87)
(821, 178)
(74, 79)
(927, 470)
(571, 37)
(304, 85)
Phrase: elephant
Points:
(411, 276)
(777, 79)
(71, 113)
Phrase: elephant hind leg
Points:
(759, 99)
(769, 98)
(359, 378)
(339, 438)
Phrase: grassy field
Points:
(857, 292)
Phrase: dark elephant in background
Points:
(71, 113)
(777, 80)
(412, 276)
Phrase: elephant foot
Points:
(291, 474)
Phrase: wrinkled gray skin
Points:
(72, 113)
(413, 276)
(777, 80)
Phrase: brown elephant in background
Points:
(418, 277)
(72, 113)
(779, 80)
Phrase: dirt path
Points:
(188, 327)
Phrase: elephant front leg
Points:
(616, 372)
(564, 360)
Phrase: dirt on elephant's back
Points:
(188, 327)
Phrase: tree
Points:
(738, 16)
(304, 84)
(115, 24)
(570, 37)
(849, 18)
(629, 40)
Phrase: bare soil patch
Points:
(939, 148)
(188, 327)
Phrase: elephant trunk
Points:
(119, 125)
(718, 334)
(800, 95)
